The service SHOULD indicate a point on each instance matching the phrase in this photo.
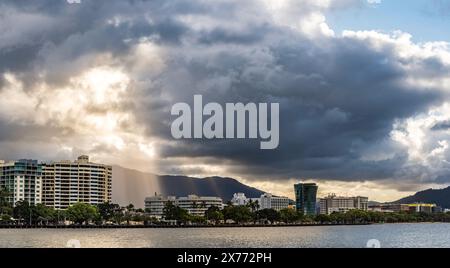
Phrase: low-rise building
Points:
(265, 201)
(269, 201)
(389, 208)
(195, 205)
(154, 205)
(414, 207)
(333, 203)
(422, 207)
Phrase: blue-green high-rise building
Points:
(22, 179)
(305, 198)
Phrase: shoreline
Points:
(174, 226)
(201, 226)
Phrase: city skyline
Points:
(61, 183)
(364, 98)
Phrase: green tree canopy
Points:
(108, 210)
(268, 214)
(289, 215)
(239, 214)
(43, 213)
(23, 211)
(172, 212)
(213, 213)
(82, 213)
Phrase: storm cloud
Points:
(100, 77)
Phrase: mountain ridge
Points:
(440, 197)
(132, 186)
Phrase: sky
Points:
(363, 87)
(425, 20)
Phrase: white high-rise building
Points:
(23, 180)
(66, 183)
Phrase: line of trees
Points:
(360, 216)
(24, 213)
(250, 214)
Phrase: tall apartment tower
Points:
(305, 197)
(23, 180)
(66, 183)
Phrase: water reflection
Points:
(388, 235)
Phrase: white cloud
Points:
(374, 2)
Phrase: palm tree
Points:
(253, 205)
(130, 207)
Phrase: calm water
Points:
(389, 235)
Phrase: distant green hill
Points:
(132, 186)
(440, 197)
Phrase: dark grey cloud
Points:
(20, 141)
(13, 132)
(339, 96)
(335, 102)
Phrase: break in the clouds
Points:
(100, 77)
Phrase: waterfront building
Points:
(305, 198)
(333, 203)
(422, 207)
(389, 208)
(239, 199)
(269, 201)
(361, 202)
(195, 205)
(154, 205)
(66, 183)
(414, 207)
(23, 180)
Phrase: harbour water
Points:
(388, 236)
